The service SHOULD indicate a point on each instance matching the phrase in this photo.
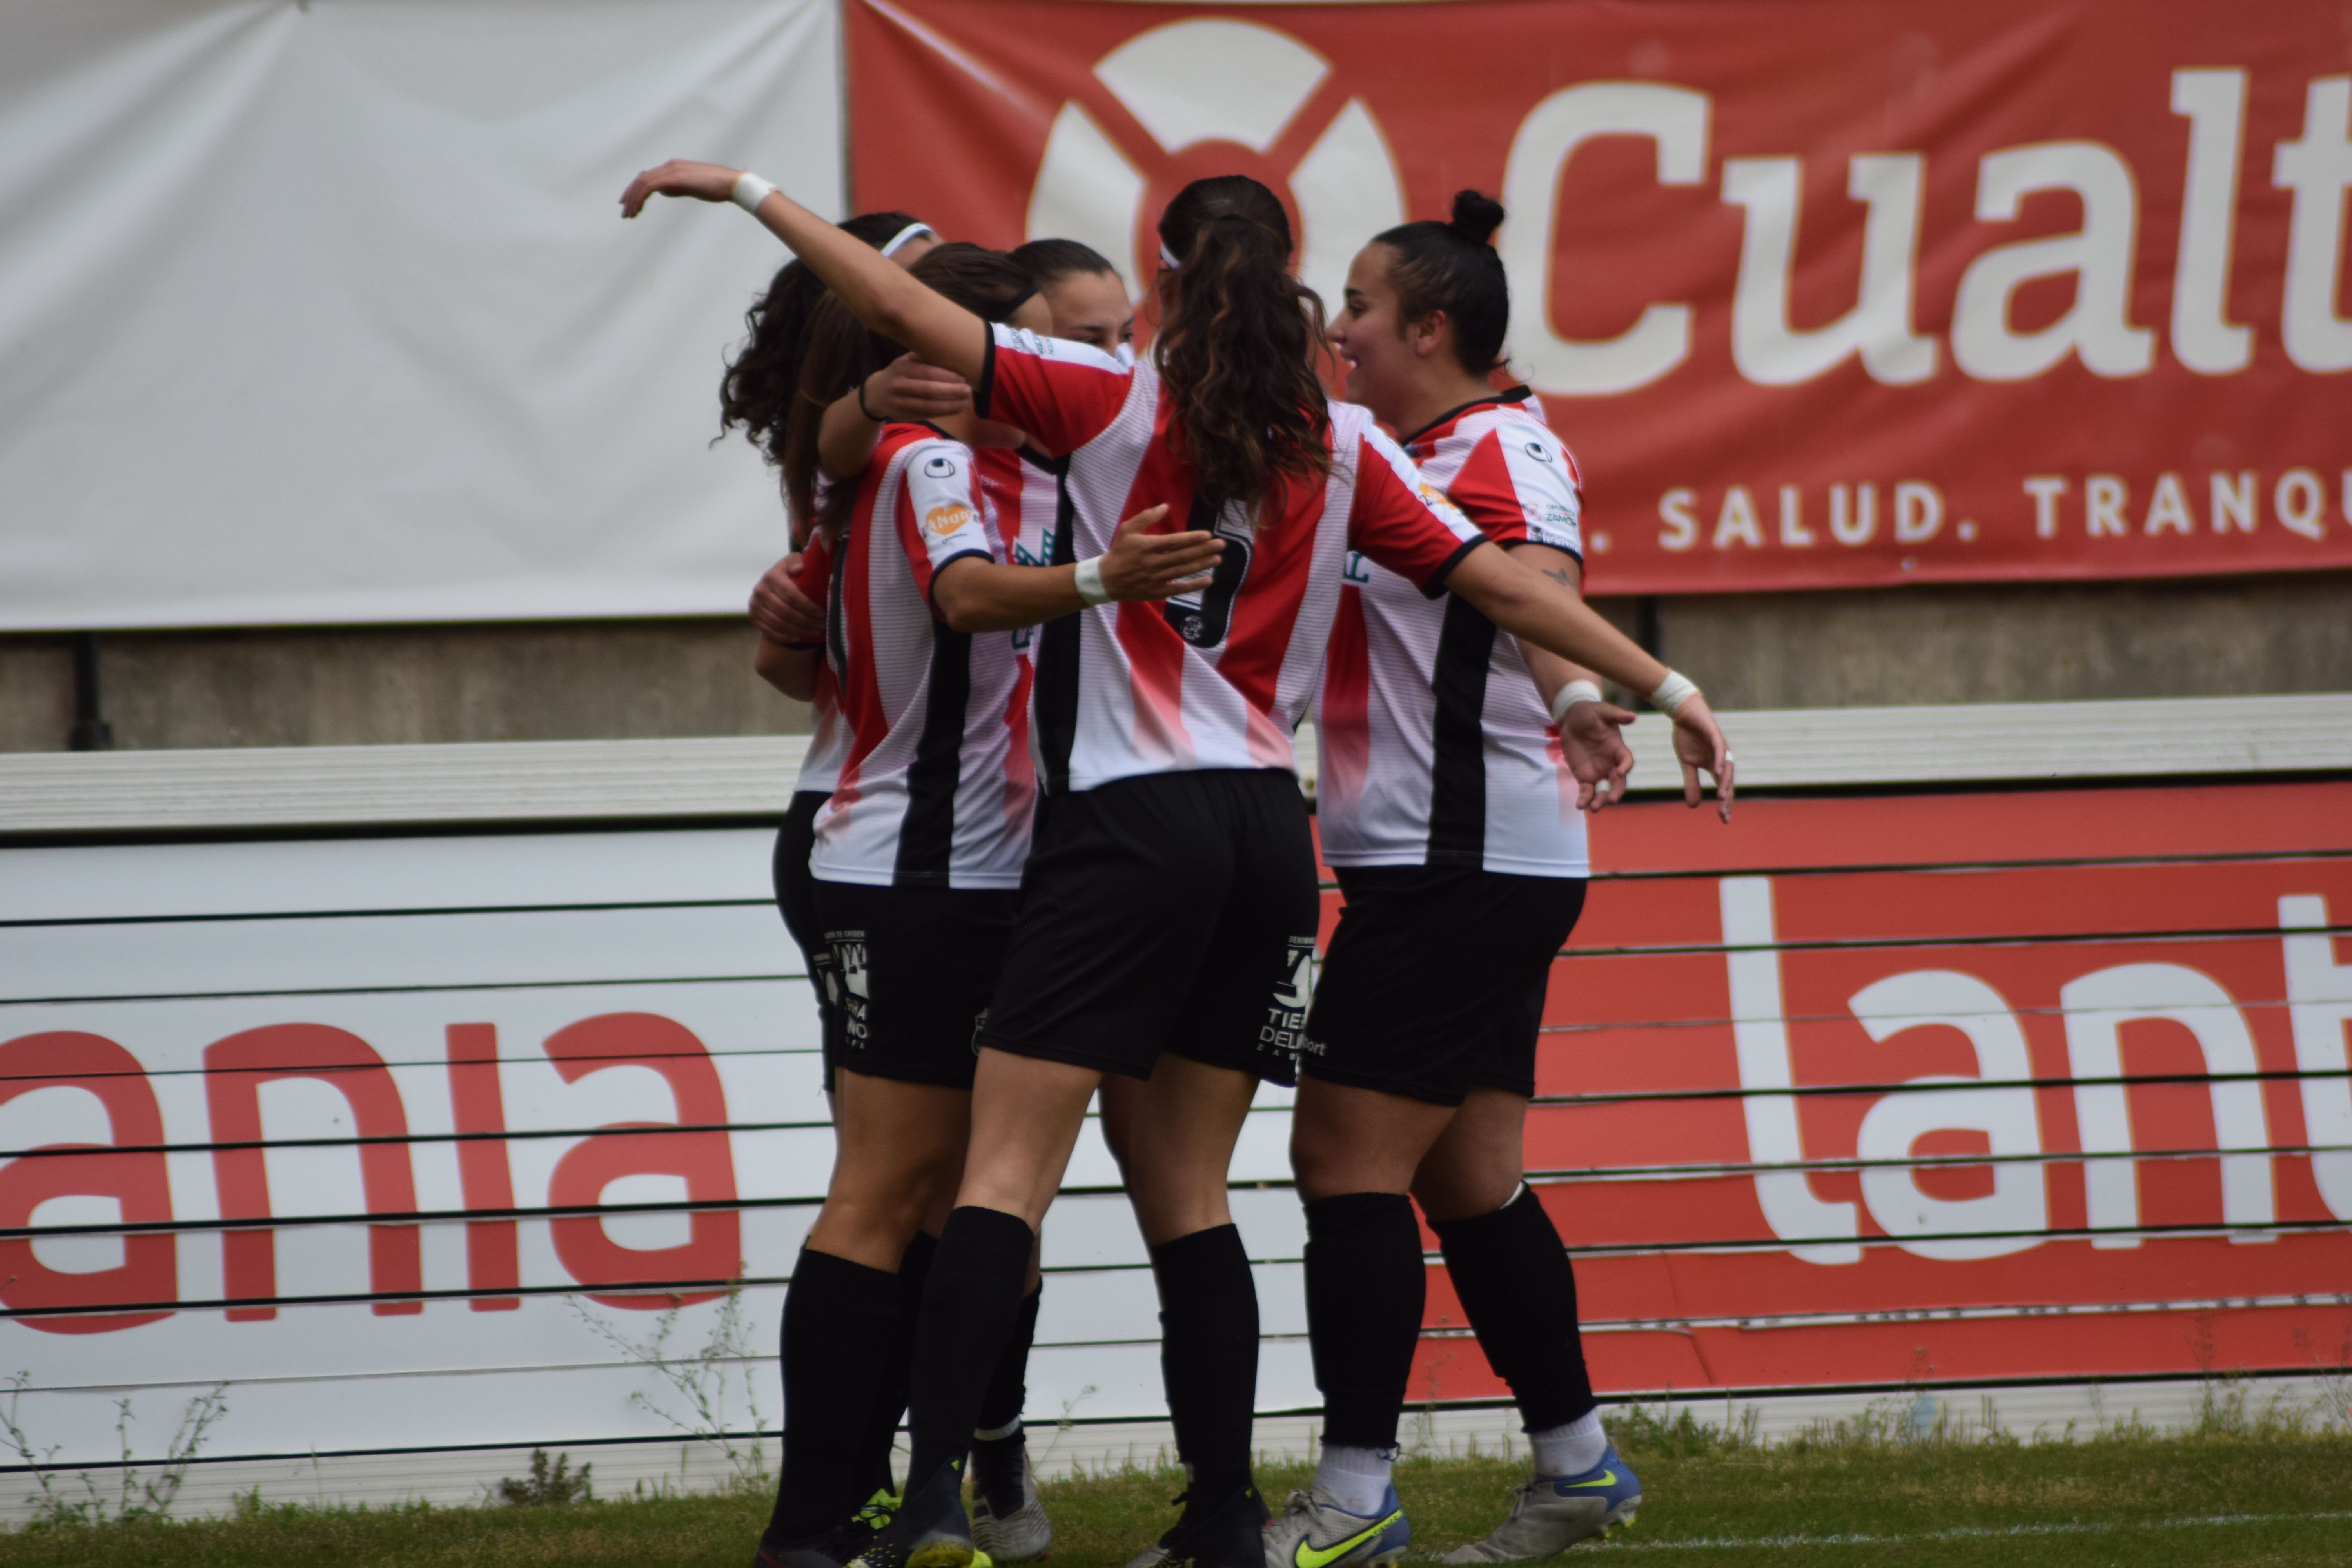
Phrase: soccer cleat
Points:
(1008, 1522)
(929, 1530)
(834, 1549)
(1554, 1512)
(1231, 1535)
(1315, 1532)
(877, 1510)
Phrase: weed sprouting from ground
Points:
(704, 1380)
(138, 1492)
(549, 1486)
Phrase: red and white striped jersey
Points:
(936, 786)
(829, 737)
(1219, 679)
(1435, 746)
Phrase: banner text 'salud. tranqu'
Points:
(1823, 292)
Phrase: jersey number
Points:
(1203, 621)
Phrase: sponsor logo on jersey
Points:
(1437, 503)
(939, 468)
(943, 520)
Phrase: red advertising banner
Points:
(1823, 292)
(1958, 1089)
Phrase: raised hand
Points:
(910, 389)
(1140, 564)
(781, 611)
(1699, 744)
(679, 177)
(1597, 754)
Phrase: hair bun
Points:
(1476, 216)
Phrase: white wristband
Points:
(750, 191)
(1673, 692)
(1568, 696)
(1089, 582)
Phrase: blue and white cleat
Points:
(1554, 1512)
(1315, 1532)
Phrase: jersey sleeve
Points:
(1402, 524)
(1062, 394)
(1518, 485)
(940, 518)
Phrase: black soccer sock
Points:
(1365, 1290)
(839, 1319)
(968, 1309)
(996, 1460)
(1208, 1357)
(1518, 1289)
(879, 1437)
(1007, 1393)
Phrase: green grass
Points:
(1946, 1497)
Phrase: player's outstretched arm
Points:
(877, 290)
(975, 595)
(904, 389)
(1540, 611)
(1596, 754)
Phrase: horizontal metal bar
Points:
(1582, 1176)
(403, 911)
(1550, 1102)
(1908, 1087)
(1923, 868)
(1665, 949)
(685, 1287)
(1903, 943)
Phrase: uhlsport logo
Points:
(1180, 88)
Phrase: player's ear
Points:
(1430, 334)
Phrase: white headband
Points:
(912, 232)
(1168, 256)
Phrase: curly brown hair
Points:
(757, 393)
(842, 351)
(1238, 349)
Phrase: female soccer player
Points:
(1088, 303)
(762, 393)
(1169, 909)
(916, 855)
(1084, 290)
(1450, 812)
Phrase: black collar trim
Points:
(1516, 395)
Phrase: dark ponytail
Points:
(1238, 349)
(757, 389)
(1452, 266)
(842, 351)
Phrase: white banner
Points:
(425, 1032)
(324, 312)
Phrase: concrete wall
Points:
(619, 679)
(377, 685)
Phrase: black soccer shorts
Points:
(1434, 983)
(797, 899)
(1172, 912)
(916, 967)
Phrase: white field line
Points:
(1966, 1532)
